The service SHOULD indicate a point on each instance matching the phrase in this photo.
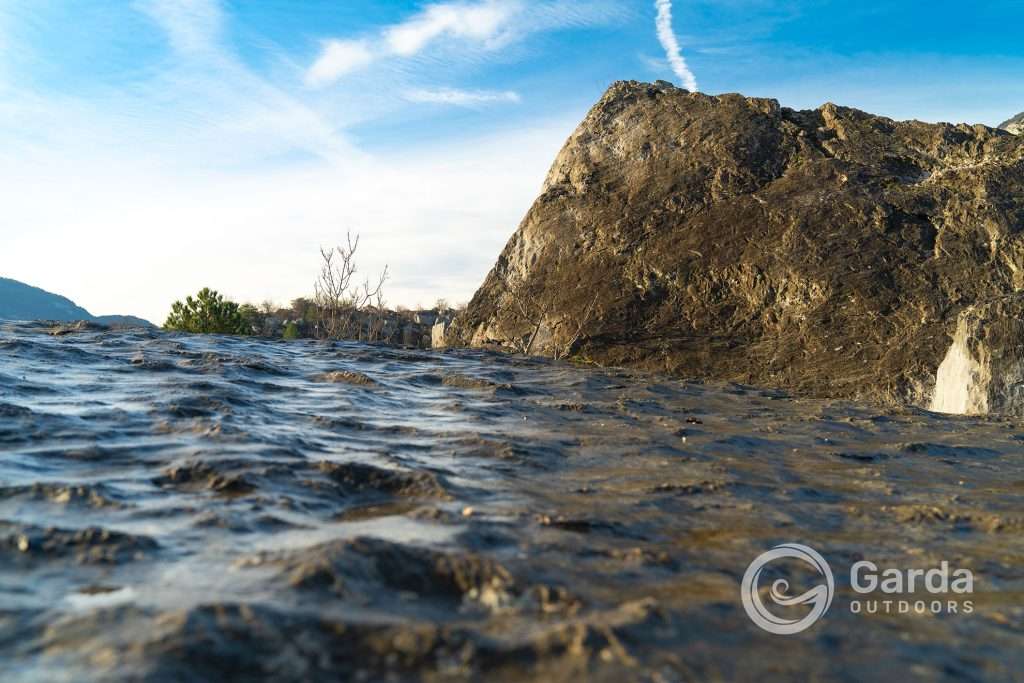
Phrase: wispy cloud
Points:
(230, 112)
(206, 167)
(486, 23)
(193, 26)
(171, 230)
(668, 40)
(337, 58)
(462, 98)
(4, 49)
(481, 26)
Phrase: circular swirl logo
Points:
(819, 598)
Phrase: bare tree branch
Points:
(527, 307)
(341, 305)
(583, 321)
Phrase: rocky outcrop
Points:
(437, 340)
(983, 371)
(1014, 125)
(829, 252)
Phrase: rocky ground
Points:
(206, 508)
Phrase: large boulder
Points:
(827, 251)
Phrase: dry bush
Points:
(342, 305)
(530, 310)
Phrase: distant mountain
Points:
(122, 321)
(19, 301)
(1014, 125)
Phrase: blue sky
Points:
(153, 147)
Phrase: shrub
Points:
(208, 313)
(291, 331)
(252, 317)
(343, 306)
(303, 310)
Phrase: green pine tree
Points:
(208, 313)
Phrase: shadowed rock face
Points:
(829, 251)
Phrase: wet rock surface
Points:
(826, 251)
(221, 514)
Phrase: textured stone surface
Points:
(1014, 125)
(437, 335)
(983, 371)
(218, 513)
(828, 251)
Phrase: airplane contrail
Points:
(668, 40)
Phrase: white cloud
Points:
(461, 98)
(667, 38)
(4, 57)
(487, 24)
(193, 26)
(484, 22)
(203, 172)
(210, 107)
(483, 26)
(134, 236)
(337, 58)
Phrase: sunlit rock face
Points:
(1014, 125)
(828, 252)
(961, 382)
(983, 371)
